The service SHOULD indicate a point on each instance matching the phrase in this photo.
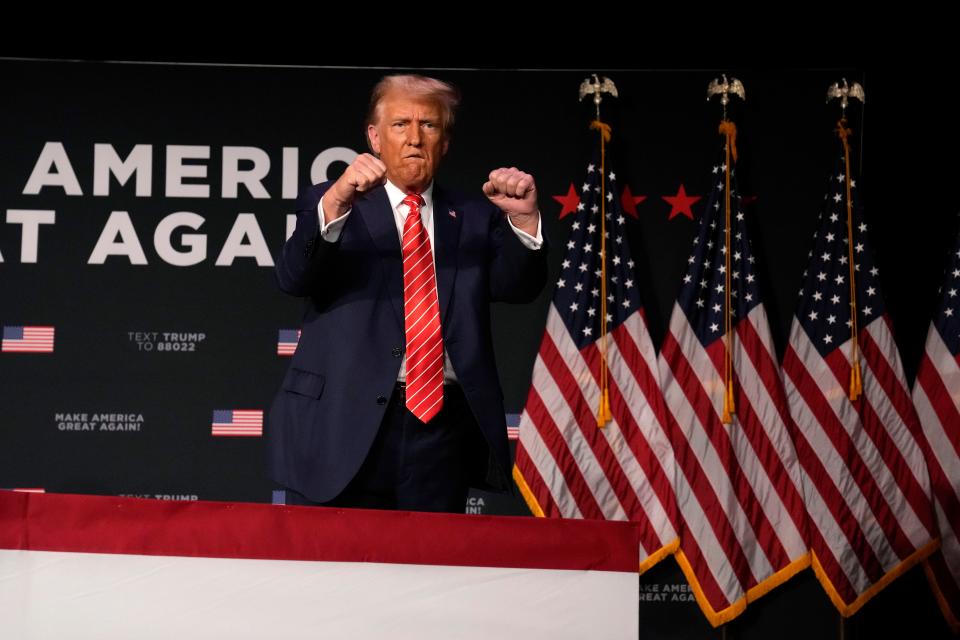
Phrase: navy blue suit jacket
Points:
(325, 416)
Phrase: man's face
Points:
(408, 136)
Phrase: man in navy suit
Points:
(344, 429)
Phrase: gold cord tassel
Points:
(728, 129)
(603, 411)
(856, 379)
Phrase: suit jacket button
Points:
(397, 352)
(381, 400)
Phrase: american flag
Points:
(936, 396)
(27, 340)
(287, 341)
(865, 480)
(738, 488)
(513, 426)
(237, 422)
(565, 465)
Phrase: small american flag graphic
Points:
(513, 426)
(237, 422)
(28, 339)
(287, 342)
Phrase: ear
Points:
(373, 138)
(446, 145)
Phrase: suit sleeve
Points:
(517, 273)
(305, 256)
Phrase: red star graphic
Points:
(630, 201)
(681, 203)
(569, 202)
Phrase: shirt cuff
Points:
(533, 242)
(330, 232)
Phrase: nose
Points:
(414, 135)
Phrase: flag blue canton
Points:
(13, 333)
(824, 309)
(947, 319)
(578, 293)
(703, 293)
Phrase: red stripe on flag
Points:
(710, 502)
(643, 449)
(534, 481)
(560, 451)
(940, 399)
(630, 502)
(717, 433)
(587, 424)
(873, 495)
(835, 500)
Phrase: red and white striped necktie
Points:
(421, 317)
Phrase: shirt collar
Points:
(396, 195)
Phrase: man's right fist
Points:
(366, 172)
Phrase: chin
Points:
(416, 178)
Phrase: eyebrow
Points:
(436, 122)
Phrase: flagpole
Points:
(603, 411)
(844, 92)
(597, 88)
(729, 130)
(856, 384)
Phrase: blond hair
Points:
(445, 95)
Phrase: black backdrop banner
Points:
(143, 206)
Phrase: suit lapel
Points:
(378, 217)
(446, 234)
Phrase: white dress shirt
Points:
(330, 232)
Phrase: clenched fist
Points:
(515, 193)
(366, 172)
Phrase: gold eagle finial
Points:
(725, 88)
(844, 91)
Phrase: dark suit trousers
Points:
(414, 466)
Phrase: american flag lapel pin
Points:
(453, 214)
